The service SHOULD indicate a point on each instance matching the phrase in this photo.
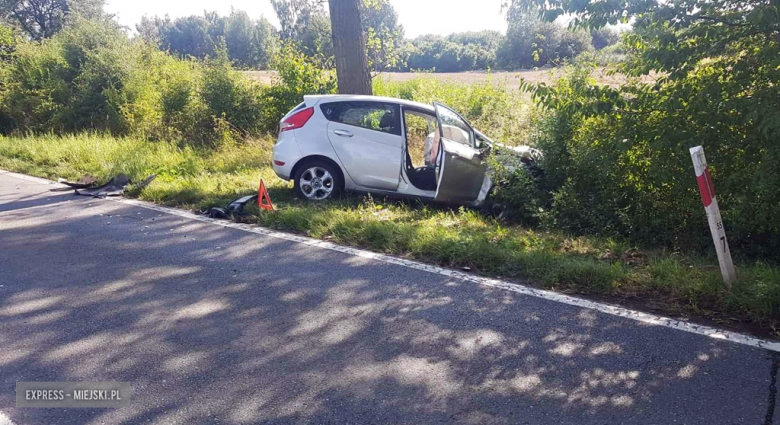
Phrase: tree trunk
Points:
(349, 46)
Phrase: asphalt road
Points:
(217, 325)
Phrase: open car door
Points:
(460, 166)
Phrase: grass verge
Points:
(658, 280)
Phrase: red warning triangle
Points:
(263, 200)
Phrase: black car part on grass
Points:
(115, 187)
(82, 183)
(234, 208)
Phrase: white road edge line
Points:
(494, 283)
(5, 420)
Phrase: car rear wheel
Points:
(317, 181)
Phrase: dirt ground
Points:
(511, 79)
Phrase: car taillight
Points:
(296, 120)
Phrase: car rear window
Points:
(331, 111)
(296, 109)
(299, 107)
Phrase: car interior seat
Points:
(424, 177)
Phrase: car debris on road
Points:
(115, 187)
(235, 208)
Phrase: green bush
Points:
(230, 96)
(161, 98)
(530, 42)
(8, 41)
(517, 186)
(610, 55)
(617, 162)
(298, 76)
(604, 37)
(499, 112)
(249, 43)
(90, 76)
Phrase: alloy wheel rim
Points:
(316, 183)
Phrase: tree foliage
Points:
(295, 16)
(8, 41)
(604, 37)
(384, 35)
(531, 41)
(41, 19)
(305, 23)
(91, 76)
(619, 156)
(456, 52)
(250, 43)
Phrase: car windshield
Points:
(482, 140)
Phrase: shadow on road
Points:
(215, 325)
(13, 202)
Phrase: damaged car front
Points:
(467, 159)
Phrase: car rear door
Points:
(366, 136)
(460, 166)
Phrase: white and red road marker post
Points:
(707, 189)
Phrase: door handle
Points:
(342, 133)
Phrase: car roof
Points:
(314, 99)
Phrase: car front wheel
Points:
(317, 181)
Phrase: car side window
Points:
(373, 116)
(422, 137)
(454, 128)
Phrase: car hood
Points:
(523, 151)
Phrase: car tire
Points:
(317, 181)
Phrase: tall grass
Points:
(454, 237)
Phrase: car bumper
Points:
(286, 155)
(283, 171)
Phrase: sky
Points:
(418, 17)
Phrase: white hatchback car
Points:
(387, 146)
